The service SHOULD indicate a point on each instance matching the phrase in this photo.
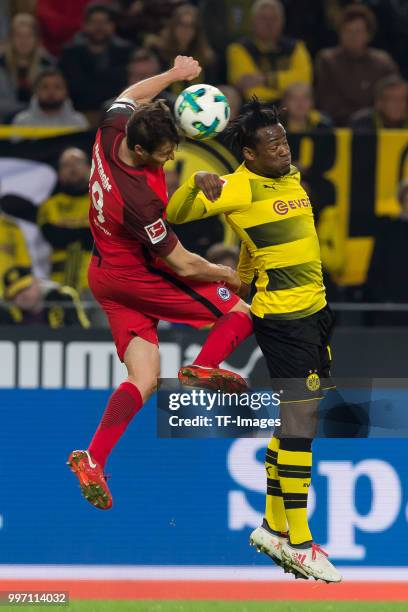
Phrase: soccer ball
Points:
(202, 111)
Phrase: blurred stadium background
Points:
(177, 535)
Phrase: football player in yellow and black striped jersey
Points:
(265, 204)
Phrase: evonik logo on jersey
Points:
(282, 208)
(156, 231)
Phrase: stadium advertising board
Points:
(203, 496)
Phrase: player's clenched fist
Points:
(232, 281)
(185, 68)
(210, 184)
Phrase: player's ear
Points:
(139, 150)
(249, 154)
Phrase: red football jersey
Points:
(127, 208)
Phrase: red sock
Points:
(123, 404)
(228, 332)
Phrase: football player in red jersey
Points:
(140, 273)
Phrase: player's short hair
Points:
(242, 131)
(150, 125)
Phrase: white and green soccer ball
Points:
(202, 111)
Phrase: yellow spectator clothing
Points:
(315, 121)
(274, 220)
(13, 248)
(64, 215)
(288, 64)
(63, 309)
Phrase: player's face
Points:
(160, 155)
(271, 155)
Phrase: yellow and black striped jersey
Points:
(274, 220)
(13, 248)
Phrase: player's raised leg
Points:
(227, 334)
(142, 361)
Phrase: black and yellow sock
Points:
(294, 471)
(274, 508)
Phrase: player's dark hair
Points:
(242, 131)
(151, 125)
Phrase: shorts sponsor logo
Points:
(313, 382)
(282, 208)
(224, 293)
(156, 231)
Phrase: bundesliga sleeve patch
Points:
(156, 231)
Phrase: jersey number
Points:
(97, 196)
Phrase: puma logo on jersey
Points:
(156, 231)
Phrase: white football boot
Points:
(311, 562)
(270, 543)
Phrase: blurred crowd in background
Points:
(325, 63)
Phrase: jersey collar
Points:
(242, 168)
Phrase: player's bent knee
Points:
(146, 385)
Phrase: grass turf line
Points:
(219, 606)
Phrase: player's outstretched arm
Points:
(192, 266)
(204, 195)
(184, 69)
(184, 205)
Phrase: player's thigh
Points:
(191, 302)
(287, 354)
(142, 361)
(299, 419)
(293, 366)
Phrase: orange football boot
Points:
(215, 379)
(91, 478)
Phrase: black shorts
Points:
(297, 353)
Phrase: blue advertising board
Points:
(180, 501)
